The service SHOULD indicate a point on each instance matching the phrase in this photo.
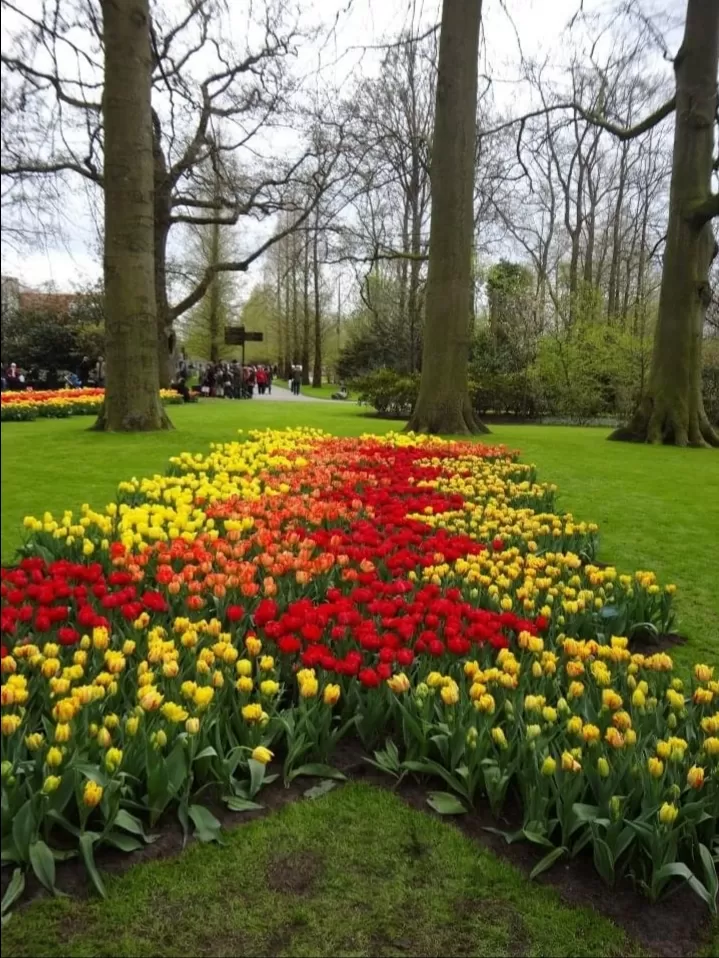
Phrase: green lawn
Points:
(409, 884)
(315, 879)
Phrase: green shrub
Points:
(392, 395)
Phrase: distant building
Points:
(58, 303)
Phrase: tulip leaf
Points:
(207, 827)
(549, 859)
(237, 804)
(24, 828)
(13, 891)
(126, 843)
(93, 773)
(317, 791)
(86, 842)
(55, 816)
(710, 872)
(444, 803)
(585, 813)
(176, 766)
(536, 837)
(318, 771)
(257, 776)
(207, 752)
(130, 823)
(604, 860)
(43, 864)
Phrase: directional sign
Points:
(238, 336)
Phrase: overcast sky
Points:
(536, 30)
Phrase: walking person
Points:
(296, 380)
(261, 380)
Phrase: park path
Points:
(284, 395)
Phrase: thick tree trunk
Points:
(443, 404)
(132, 401)
(672, 410)
(317, 369)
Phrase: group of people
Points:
(13, 378)
(89, 372)
(232, 380)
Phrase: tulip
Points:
(51, 784)
(331, 694)
(92, 794)
(113, 759)
(695, 776)
(656, 767)
(668, 813)
(549, 766)
(262, 755)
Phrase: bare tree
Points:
(201, 80)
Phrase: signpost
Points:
(238, 336)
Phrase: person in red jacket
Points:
(261, 380)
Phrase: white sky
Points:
(539, 24)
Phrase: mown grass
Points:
(317, 879)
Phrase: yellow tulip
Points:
(262, 755)
(92, 794)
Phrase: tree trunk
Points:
(165, 336)
(132, 401)
(215, 324)
(295, 310)
(413, 302)
(163, 211)
(672, 410)
(317, 370)
(443, 404)
(280, 318)
(306, 312)
(613, 291)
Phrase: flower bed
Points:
(270, 597)
(60, 403)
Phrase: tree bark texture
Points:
(306, 312)
(163, 212)
(132, 401)
(443, 404)
(317, 368)
(672, 410)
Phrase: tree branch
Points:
(621, 132)
(704, 211)
(41, 169)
